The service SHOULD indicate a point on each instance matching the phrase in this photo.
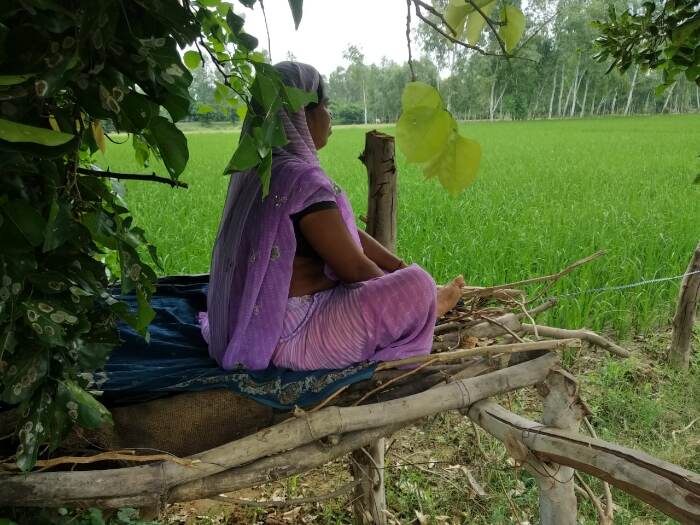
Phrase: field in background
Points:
(548, 193)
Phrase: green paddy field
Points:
(548, 193)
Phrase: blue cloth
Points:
(176, 358)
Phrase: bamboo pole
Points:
(673, 490)
(145, 485)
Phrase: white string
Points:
(623, 286)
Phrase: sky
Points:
(377, 27)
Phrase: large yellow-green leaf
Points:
(457, 12)
(16, 132)
(514, 27)
(476, 22)
(457, 165)
(422, 132)
(455, 15)
(420, 94)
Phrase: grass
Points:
(548, 193)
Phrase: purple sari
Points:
(253, 255)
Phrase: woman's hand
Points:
(382, 257)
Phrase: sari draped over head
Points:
(253, 254)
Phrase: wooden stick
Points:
(330, 398)
(673, 490)
(397, 378)
(544, 278)
(505, 328)
(585, 335)
(143, 485)
(117, 455)
(483, 351)
(609, 506)
(344, 489)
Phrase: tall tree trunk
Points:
(561, 89)
(697, 97)
(668, 97)
(533, 112)
(577, 81)
(568, 97)
(614, 103)
(492, 101)
(629, 97)
(583, 104)
(646, 103)
(592, 112)
(551, 99)
(364, 98)
(601, 106)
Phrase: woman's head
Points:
(317, 116)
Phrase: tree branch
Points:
(267, 30)
(132, 176)
(408, 39)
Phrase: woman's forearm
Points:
(382, 257)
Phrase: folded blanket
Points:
(176, 359)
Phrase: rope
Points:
(623, 286)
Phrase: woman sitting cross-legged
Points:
(294, 283)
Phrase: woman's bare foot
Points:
(448, 295)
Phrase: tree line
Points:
(556, 75)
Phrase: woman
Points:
(294, 283)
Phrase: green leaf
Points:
(476, 22)
(265, 173)
(247, 41)
(234, 21)
(90, 412)
(248, 3)
(177, 106)
(16, 132)
(421, 132)
(204, 109)
(27, 219)
(11, 80)
(172, 145)
(245, 157)
(59, 227)
(25, 372)
(296, 6)
(514, 27)
(697, 179)
(138, 109)
(420, 94)
(457, 165)
(456, 14)
(298, 98)
(192, 59)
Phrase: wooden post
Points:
(679, 353)
(562, 410)
(368, 462)
(378, 158)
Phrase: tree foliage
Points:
(662, 37)
(68, 71)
